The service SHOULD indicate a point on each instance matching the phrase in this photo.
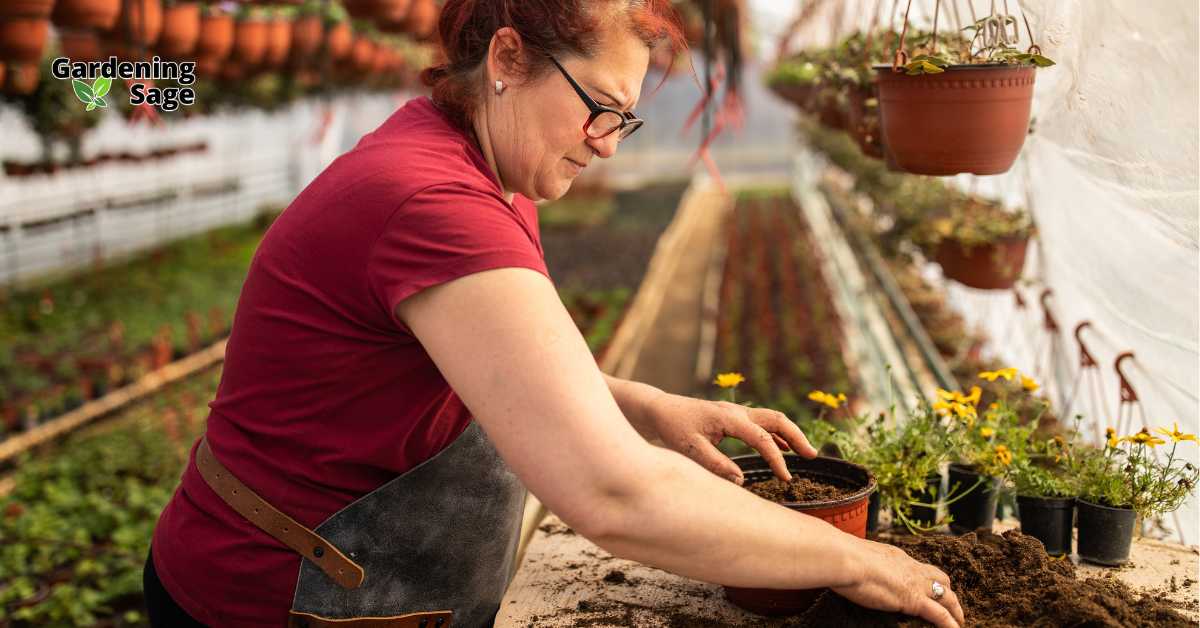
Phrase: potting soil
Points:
(801, 489)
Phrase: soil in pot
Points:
(1010, 581)
(827, 488)
(1105, 533)
(1049, 520)
(993, 266)
(972, 500)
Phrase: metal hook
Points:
(1020, 299)
(1086, 360)
(1128, 394)
(1048, 318)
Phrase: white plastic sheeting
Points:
(1110, 175)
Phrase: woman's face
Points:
(537, 136)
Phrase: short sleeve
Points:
(443, 233)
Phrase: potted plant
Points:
(963, 105)
(362, 54)
(1045, 487)
(339, 36)
(308, 30)
(137, 29)
(24, 26)
(214, 42)
(1125, 481)
(795, 80)
(422, 19)
(250, 38)
(181, 29)
(86, 14)
(978, 243)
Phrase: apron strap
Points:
(305, 542)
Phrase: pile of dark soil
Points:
(1009, 580)
(801, 489)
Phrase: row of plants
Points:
(19, 169)
(979, 451)
(71, 340)
(961, 105)
(776, 322)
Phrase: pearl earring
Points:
(499, 87)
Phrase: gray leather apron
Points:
(442, 536)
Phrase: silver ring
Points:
(938, 590)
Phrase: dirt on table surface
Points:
(1009, 580)
(802, 489)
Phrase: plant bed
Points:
(833, 490)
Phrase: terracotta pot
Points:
(423, 18)
(362, 58)
(250, 42)
(384, 11)
(799, 95)
(36, 9)
(993, 266)
(23, 39)
(3, 74)
(139, 23)
(97, 14)
(82, 45)
(339, 39)
(307, 33)
(181, 31)
(279, 43)
(967, 119)
(23, 78)
(848, 515)
(214, 43)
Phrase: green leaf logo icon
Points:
(92, 95)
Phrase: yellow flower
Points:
(841, 397)
(964, 411)
(1113, 441)
(1003, 455)
(1146, 438)
(729, 380)
(943, 407)
(946, 394)
(986, 432)
(974, 396)
(994, 406)
(825, 398)
(1029, 384)
(1008, 374)
(1175, 435)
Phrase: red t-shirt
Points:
(325, 394)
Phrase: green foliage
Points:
(1126, 473)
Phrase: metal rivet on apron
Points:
(318, 551)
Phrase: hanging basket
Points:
(279, 43)
(799, 95)
(24, 27)
(139, 23)
(81, 45)
(250, 42)
(307, 33)
(422, 19)
(993, 266)
(97, 14)
(339, 39)
(970, 118)
(863, 124)
(22, 79)
(362, 58)
(181, 31)
(214, 43)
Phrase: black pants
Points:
(163, 611)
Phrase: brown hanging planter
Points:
(24, 27)
(339, 40)
(362, 58)
(422, 19)
(279, 43)
(180, 32)
(22, 79)
(250, 42)
(139, 23)
(387, 11)
(970, 118)
(214, 43)
(81, 45)
(97, 14)
(993, 266)
(307, 33)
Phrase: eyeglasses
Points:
(603, 120)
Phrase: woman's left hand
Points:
(694, 428)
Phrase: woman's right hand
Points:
(890, 580)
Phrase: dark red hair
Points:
(547, 27)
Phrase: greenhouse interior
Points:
(652, 313)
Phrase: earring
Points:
(499, 87)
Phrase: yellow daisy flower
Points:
(729, 380)
(1175, 435)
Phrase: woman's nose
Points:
(606, 146)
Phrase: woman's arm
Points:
(634, 398)
(509, 349)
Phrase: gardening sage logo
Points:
(92, 95)
(92, 81)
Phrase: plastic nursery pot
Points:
(181, 31)
(139, 23)
(972, 502)
(848, 514)
(97, 14)
(1105, 533)
(970, 118)
(924, 515)
(1049, 520)
(992, 266)
(795, 93)
(873, 512)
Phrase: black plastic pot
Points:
(873, 513)
(976, 508)
(1049, 520)
(922, 515)
(1105, 533)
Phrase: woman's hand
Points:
(889, 580)
(694, 427)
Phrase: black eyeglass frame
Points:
(629, 122)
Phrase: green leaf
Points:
(91, 106)
(83, 91)
(101, 86)
(1041, 62)
(102, 103)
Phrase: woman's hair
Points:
(547, 27)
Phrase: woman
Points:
(401, 368)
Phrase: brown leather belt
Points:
(305, 542)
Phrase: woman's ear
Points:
(506, 57)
